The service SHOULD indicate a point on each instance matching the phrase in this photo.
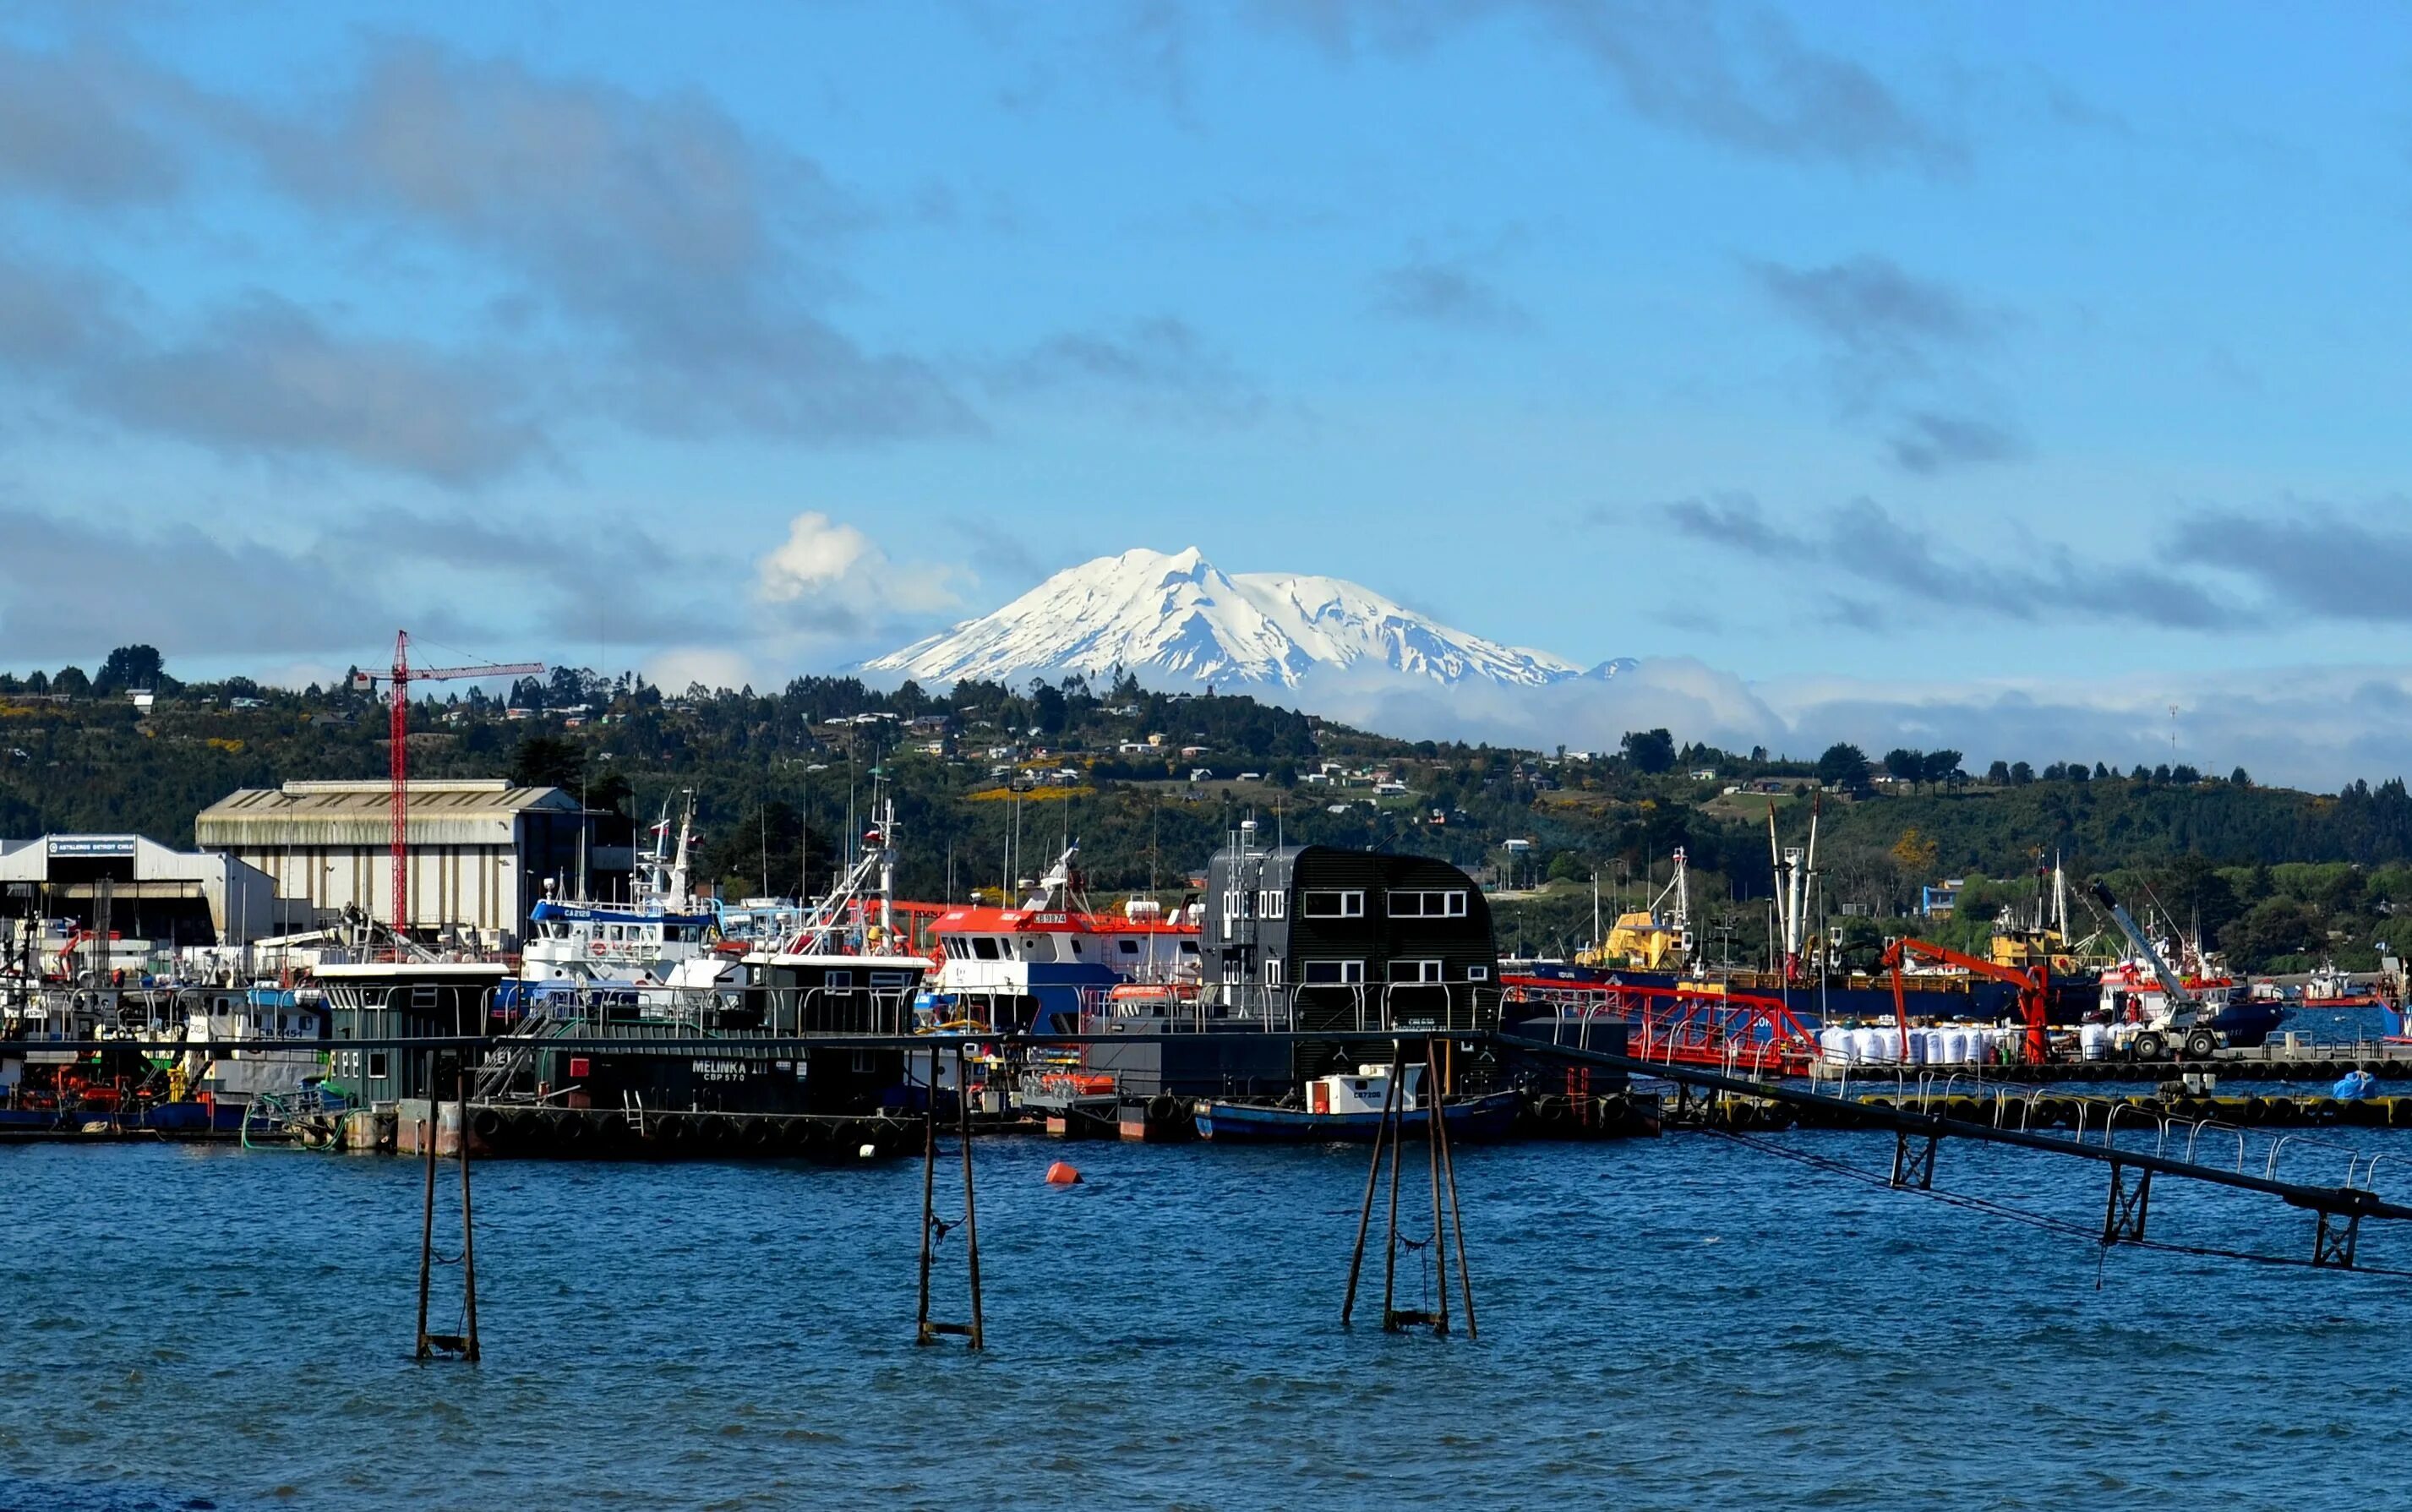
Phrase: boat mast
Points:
(678, 897)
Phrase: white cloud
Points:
(2316, 727)
(298, 675)
(678, 668)
(830, 576)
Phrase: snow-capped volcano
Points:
(1177, 618)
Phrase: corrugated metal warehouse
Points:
(149, 890)
(481, 849)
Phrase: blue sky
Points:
(1998, 374)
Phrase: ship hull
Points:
(1478, 1118)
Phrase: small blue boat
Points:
(1475, 1117)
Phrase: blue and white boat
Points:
(1349, 1107)
(581, 949)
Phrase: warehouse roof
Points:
(451, 811)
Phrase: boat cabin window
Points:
(1331, 972)
(1128, 948)
(1188, 947)
(1334, 903)
(985, 948)
(1433, 904)
(1076, 946)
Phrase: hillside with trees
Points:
(1149, 782)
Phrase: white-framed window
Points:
(1477, 974)
(1333, 903)
(1272, 971)
(1272, 905)
(984, 948)
(1428, 904)
(1414, 971)
(1331, 972)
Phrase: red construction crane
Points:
(2035, 987)
(404, 675)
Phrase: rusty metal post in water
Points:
(468, 1234)
(1457, 1227)
(922, 1334)
(1372, 1179)
(1432, 1148)
(1390, 1248)
(427, 1220)
(971, 1215)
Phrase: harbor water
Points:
(1677, 1323)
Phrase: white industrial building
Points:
(143, 890)
(481, 849)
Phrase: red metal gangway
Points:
(1682, 1025)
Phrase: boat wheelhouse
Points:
(588, 944)
(1037, 968)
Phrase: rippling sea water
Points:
(1676, 1323)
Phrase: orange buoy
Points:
(1062, 1173)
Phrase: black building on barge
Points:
(1310, 938)
(1323, 938)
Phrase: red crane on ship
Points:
(403, 675)
(2034, 987)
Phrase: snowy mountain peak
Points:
(1176, 617)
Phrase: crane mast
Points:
(2182, 1002)
(398, 723)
